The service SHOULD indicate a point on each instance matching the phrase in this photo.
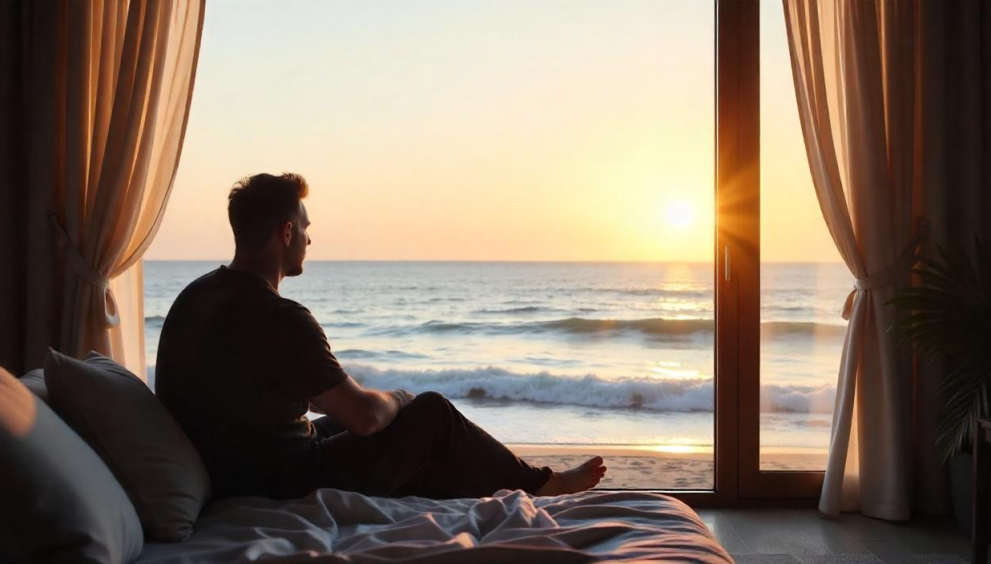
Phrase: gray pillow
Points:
(60, 502)
(35, 381)
(136, 436)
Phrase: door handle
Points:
(726, 264)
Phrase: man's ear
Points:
(286, 233)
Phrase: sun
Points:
(680, 214)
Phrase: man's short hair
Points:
(259, 204)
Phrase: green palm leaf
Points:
(948, 317)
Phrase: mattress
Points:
(511, 526)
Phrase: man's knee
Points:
(428, 410)
(430, 399)
(429, 404)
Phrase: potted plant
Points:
(948, 318)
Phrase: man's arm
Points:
(359, 410)
(317, 371)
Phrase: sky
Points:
(483, 130)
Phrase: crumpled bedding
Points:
(511, 526)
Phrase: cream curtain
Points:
(104, 88)
(867, 88)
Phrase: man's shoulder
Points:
(236, 297)
(223, 282)
(193, 292)
(294, 312)
(211, 278)
(215, 297)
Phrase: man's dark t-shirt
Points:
(237, 365)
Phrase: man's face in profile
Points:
(296, 252)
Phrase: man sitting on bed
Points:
(239, 365)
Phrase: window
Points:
(588, 223)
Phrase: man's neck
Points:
(268, 268)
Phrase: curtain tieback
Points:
(86, 273)
(891, 273)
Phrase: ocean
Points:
(566, 353)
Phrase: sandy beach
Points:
(647, 468)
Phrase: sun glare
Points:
(680, 214)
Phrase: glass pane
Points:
(512, 204)
(803, 281)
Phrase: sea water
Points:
(566, 353)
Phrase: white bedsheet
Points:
(337, 526)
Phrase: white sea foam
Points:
(493, 383)
(797, 399)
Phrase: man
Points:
(239, 365)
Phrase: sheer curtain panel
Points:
(885, 141)
(95, 101)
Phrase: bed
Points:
(147, 482)
(337, 526)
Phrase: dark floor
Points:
(756, 534)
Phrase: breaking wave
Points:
(493, 383)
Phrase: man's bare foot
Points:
(577, 479)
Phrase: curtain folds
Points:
(103, 91)
(872, 93)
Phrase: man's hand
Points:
(359, 410)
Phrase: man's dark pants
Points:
(430, 450)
